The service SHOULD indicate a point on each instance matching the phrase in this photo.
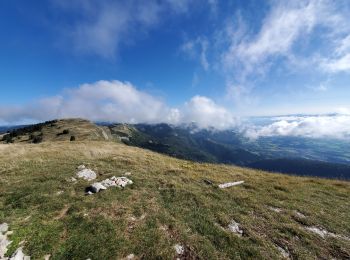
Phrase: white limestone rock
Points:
(87, 174)
(81, 167)
(97, 187)
(230, 184)
(179, 249)
(234, 227)
(4, 227)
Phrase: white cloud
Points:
(285, 38)
(100, 27)
(323, 126)
(286, 22)
(115, 101)
(340, 64)
(206, 113)
(100, 101)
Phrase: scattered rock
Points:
(278, 210)
(120, 182)
(81, 167)
(109, 183)
(4, 227)
(131, 256)
(284, 252)
(234, 227)
(73, 179)
(127, 174)
(95, 187)
(230, 184)
(325, 233)
(299, 214)
(59, 192)
(19, 255)
(4, 243)
(208, 182)
(47, 257)
(319, 231)
(179, 249)
(87, 174)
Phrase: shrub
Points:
(72, 138)
(37, 139)
(65, 131)
(7, 138)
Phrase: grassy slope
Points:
(81, 129)
(169, 203)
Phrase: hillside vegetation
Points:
(57, 130)
(172, 202)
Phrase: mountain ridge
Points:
(187, 142)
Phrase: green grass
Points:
(168, 203)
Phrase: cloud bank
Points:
(116, 101)
(322, 126)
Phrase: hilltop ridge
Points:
(58, 130)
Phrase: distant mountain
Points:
(293, 155)
(186, 143)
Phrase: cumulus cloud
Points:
(206, 113)
(116, 101)
(323, 126)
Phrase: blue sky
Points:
(208, 61)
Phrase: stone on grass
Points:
(4, 227)
(179, 249)
(108, 183)
(230, 184)
(19, 255)
(95, 187)
(4, 242)
(120, 182)
(127, 174)
(86, 174)
(325, 233)
(131, 256)
(81, 167)
(234, 227)
(284, 252)
(300, 215)
(278, 210)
